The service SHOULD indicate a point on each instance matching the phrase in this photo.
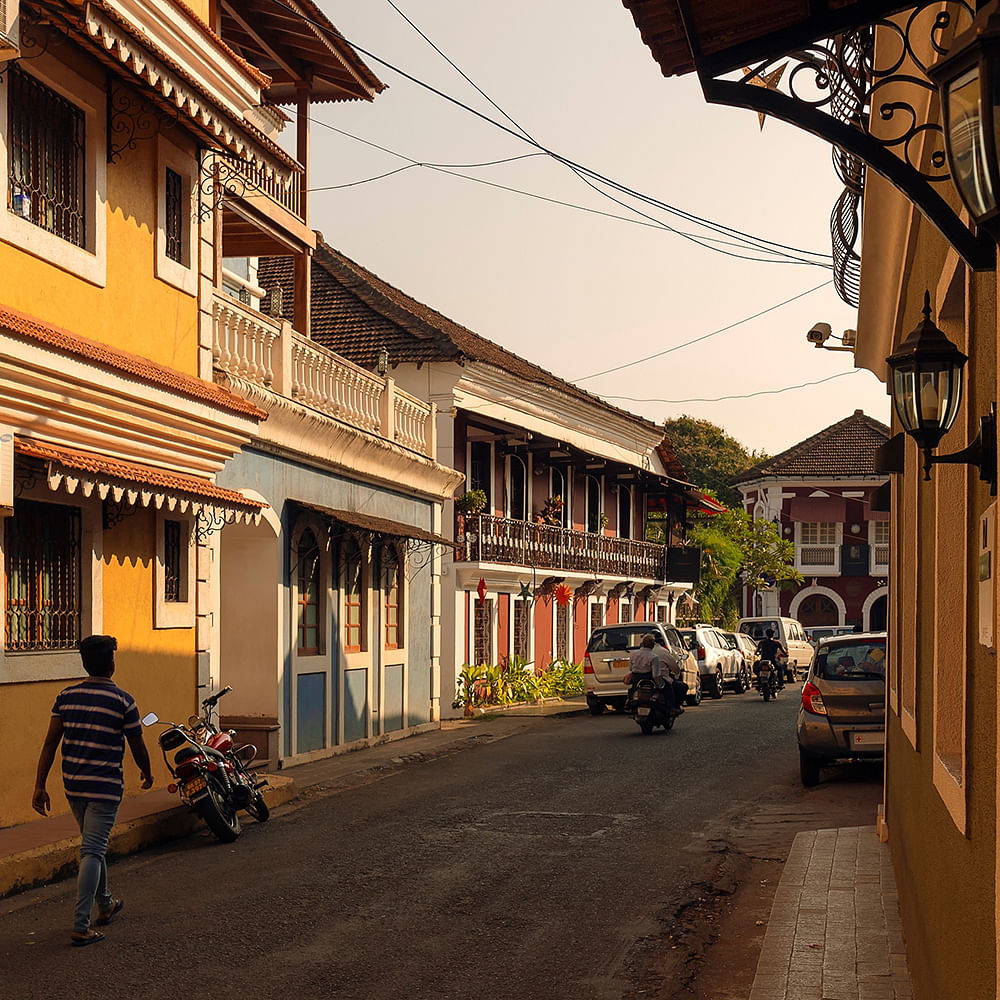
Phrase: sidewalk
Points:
(47, 850)
(834, 931)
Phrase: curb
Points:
(59, 860)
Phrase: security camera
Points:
(819, 334)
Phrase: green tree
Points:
(736, 549)
(710, 456)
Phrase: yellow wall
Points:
(158, 667)
(135, 311)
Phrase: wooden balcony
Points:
(486, 538)
(253, 348)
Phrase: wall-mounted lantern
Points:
(926, 378)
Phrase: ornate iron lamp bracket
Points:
(835, 88)
(131, 120)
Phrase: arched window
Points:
(557, 488)
(816, 609)
(392, 598)
(624, 511)
(517, 507)
(354, 608)
(594, 505)
(308, 594)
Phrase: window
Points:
(481, 469)
(562, 632)
(482, 638)
(624, 512)
(517, 508)
(42, 569)
(593, 504)
(557, 488)
(174, 220)
(307, 590)
(818, 550)
(46, 158)
(173, 580)
(391, 597)
(819, 533)
(596, 615)
(353, 598)
(624, 611)
(173, 598)
(522, 626)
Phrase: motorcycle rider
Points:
(652, 659)
(772, 649)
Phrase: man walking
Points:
(93, 720)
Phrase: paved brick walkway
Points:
(834, 931)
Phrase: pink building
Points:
(820, 491)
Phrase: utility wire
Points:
(704, 336)
(754, 242)
(749, 395)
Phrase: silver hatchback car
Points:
(842, 714)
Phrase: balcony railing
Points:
(265, 351)
(487, 538)
(880, 559)
(258, 181)
(818, 555)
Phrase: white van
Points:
(786, 630)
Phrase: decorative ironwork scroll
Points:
(34, 37)
(131, 120)
(28, 473)
(221, 180)
(867, 92)
(115, 511)
(213, 519)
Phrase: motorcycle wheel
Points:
(646, 726)
(669, 722)
(767, 693)
(219, 813)
(258, 808)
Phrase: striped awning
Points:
(89, 474)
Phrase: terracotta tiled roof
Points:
(355, 313)
(846, 448)
(669, 458)
(124, 363)
(117, 471)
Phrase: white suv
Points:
(717, 660)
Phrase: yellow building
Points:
(136, 148)
(866, 76)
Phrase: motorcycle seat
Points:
(186, 753)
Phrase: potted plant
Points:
(551, 512)
(471, 502)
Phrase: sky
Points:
(579, 292)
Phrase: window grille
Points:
(522, 622)
(596, 615)
(42, 571)
(390, 590)
(307, 585)
(173, 562)
(562, 632)
(624, 612)
(483, 618)
(175, 219)
(47, 143)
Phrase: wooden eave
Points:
(297, 47)
(717, 36)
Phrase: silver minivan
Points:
(842, 712)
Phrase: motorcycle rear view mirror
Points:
(148, 720)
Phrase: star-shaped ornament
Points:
(768, 82)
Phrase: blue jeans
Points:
(95, 818)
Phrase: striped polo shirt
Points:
(95, 717)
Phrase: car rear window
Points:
(619, 639)
(757, 630)
(690, 640)
(845, 661)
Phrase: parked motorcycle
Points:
(648, 706)
(767, 680)
(213, 773)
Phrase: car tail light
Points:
(812, 700)
(701, 652)
(588, 667)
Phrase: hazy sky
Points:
(578, 292)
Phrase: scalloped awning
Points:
(378, 525)
(90, 474)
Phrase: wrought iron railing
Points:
(880, 557)
(818, 555)
(488, 538)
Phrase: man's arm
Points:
(40, 798)
(137, 745)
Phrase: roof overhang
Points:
(717, 36)
(89, 474)
(378, 525)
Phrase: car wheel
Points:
(695, 697)
(808, 768)
(717, 689)
(741, 680)
(596, 707)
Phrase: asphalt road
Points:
(577, 859)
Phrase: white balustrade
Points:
(244, 341)
(411, 415)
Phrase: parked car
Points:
(816, 632)
(716, 659)
(606, 662)
(786, 630)
(740, 662)
(842, 715)
(750, 652)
